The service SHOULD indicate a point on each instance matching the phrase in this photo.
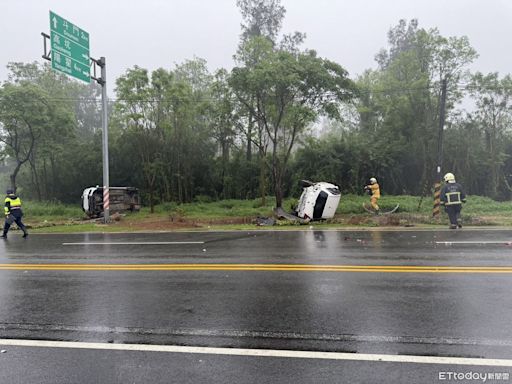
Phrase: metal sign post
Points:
(70, 54)
(104, 119)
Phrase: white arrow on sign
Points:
(54, 22)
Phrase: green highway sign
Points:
(69, 66)
(70, 48)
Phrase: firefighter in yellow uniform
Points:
(13, 213)
(374, 188)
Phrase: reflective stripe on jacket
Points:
(453, 198)
(452, 193)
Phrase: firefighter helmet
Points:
(449, 178)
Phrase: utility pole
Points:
(437, 183)
(104, 120)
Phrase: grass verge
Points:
(240, 214)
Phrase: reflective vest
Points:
(12, 202)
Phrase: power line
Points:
(363, 91)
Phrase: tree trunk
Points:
(225, 161)
(249, 138)
(56, 182)
(35, 179)
(277, 176)
(151, 200)
(13, 175)
(278, 191)
(263, 180)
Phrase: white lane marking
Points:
(474, 242)
(261, 352)
(254, 231)
(138, 243)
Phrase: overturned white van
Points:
(318, 200)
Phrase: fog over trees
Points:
(282, 114)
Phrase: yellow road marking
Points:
(262, 267)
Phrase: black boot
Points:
(6, 229)
(25, 234)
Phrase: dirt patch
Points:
(389, 220)
(161, 225)
(169, 224)
(176, 223)
(358, 220)
(383, 220)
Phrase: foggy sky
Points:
(162, 33)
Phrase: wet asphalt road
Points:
(410, 312)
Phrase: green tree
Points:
(290, 91)
(23, 116)
(30, 121)
(224, 121)
(138, 115)
(493, 114)
(66, 153)
(168, 116)
(399, 102)
(193, 126)
(261, 18)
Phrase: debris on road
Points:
(264, 221)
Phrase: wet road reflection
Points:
(466, 314)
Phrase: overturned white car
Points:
(121, 199)
(318, 200)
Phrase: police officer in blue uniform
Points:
(13, 213)
(452, 197)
